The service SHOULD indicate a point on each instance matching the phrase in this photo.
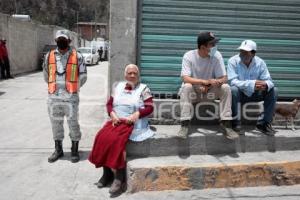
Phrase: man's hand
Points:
(131, 119)
(115, 119)
(215, 82)
(204, 89)
(205, 82)
(260, 85)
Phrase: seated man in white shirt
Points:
(250, 81)
(204, 79)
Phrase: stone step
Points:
(208, 171)
(209, 140)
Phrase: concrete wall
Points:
(123, 36)
(25, 41)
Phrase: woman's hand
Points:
(115, 119)
(131, 119)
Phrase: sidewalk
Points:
(26, 143)
(26, 140)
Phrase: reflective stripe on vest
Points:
(72, 73)
(51, 73)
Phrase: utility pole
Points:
(95, 23)
(16, 7)
(77, 28)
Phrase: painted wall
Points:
(123, 37)
(25, 41)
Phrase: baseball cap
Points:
(248, 45)
(205, 37)
(62, 33)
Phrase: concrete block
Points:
(201, 172)
(209, 140)
(123, 37)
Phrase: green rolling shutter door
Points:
(169, 28)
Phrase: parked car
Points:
(90, 55)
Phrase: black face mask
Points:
(62, 44)
(246, 58)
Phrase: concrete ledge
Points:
(200, 172)
(167, 112)
(209, 140)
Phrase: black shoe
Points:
(106, 179)
(119, 184)
(74, 152)
(270, 128)
(58, 153)
(266, 129)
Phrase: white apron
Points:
(126, 103)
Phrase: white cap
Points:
(62, 33)
(248, 45)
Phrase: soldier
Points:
(65, 72)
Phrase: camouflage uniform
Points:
(62, 103)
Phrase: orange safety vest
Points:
(72, 73)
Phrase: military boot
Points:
(74, 152)
(57, 153)
(118, 185)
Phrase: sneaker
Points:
(266, 129)
(228, 132)
(270, 128)
(184, 129)
(237, 128)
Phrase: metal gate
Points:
(169, 28)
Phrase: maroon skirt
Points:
(109, 145)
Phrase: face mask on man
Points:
(245, 58)
(212, 51)
(62, 44)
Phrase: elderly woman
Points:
(128, 106)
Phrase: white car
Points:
(89, 54)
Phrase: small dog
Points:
(288, 111)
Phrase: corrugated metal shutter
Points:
(169, 28)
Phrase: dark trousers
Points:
(2, 69)
(100, 57)
(5, 68)
(239, 98)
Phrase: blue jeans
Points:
(239, 98)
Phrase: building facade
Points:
(157, 33)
